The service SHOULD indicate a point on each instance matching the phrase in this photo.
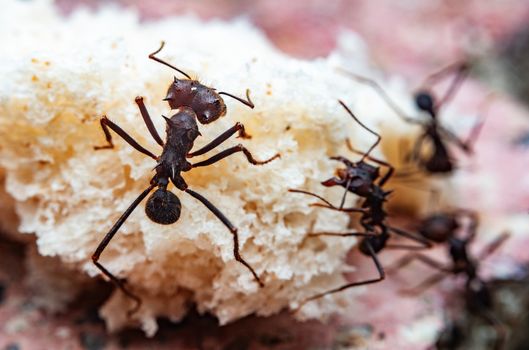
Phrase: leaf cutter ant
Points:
(439, 161)
(443, 228)
(364, 180)
(191, 101)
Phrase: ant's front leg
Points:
(148, 121)
(106, 124)
(228, 152)
(238, 127)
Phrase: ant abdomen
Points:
(438, 227)
(163, 207)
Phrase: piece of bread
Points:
(60, 75)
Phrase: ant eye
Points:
(424, 101)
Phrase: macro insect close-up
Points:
(264, 175)
(192, 101)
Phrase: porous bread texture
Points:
(59, 75)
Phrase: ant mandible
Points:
(439, 161)
(363, 180)
(192, 101)
(443, 228)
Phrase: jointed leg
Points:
(341, 234)
(228, 152)
(429, 282)
(424, 242)
(148, 121)
(106, 124)
(221, 138)
(101, 247)
(230, 227)
(378, 89)
(493, 246)
(409, 258)
(461, 71)
(328, 205)
(381, 276)
(366, 128)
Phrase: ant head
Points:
(207, 104)
(425, 102)
(367, 171)
(439, 227)
(163, 207)
(355, 181)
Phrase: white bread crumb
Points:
(60, 75)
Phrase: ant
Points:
(439, 161)
(192, 101)
(364, 180)
(443, 228)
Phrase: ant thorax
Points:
(182, 130)
(205, 101)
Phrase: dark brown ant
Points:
(192, 101)
(440, 160)
(443, 228)
(364, 180)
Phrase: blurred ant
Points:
(440, 160)
(364, 180)
(192, 101)
(443, 228)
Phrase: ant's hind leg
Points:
(381, 276)
(228, 152)
(230, 227)
(106, 124)
(106, 240)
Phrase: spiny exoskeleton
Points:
(364, 180)
(192, 101)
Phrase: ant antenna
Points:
(247, 102)
(152, 57)
(365, 155)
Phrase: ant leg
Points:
(344, 160)
(329, 204)
(341, 234)
(365, 128)
(461, 72)
(103, 244)
(380, 91)
(493, 246)
(345, 191)
(106, 123)
(228, 152)
(425, 284)
(381, 277)
(221, 138)
(408, 259)
(230, 227)
(387, 175)
(345, 210)
(425, 243)
(148, 121)
(499, 327)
